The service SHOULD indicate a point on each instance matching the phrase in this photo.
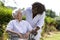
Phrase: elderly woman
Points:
(18, 26)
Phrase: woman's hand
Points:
(37, 28)
(20, 35)
(26, 35)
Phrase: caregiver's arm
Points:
(40, 22)
(25, 11)
(11, 31)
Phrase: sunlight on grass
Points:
(5, 36)
(54, 37)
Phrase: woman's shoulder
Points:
(12, 21)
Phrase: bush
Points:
(49, 25)
(23, 18)
(49, 20)
(5, 15)
(1, 32)
(58, 23)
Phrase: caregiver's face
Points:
(19, 15)
(34, 10)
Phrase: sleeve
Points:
(27, 10)
(24, 12)
(9, 26)
(29, 27)
(41, 21)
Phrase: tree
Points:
(58, 22)
(50, 13)
(1, 3)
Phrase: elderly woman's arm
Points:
(11, 31)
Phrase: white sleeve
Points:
(27, 10)
(24, 12)
(9, 26)
(41, 21)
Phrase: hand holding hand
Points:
(26, 35)
(20, 35)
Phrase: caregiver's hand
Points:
(37, 28)
(26, 35)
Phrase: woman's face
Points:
(34, 10)
(19, 15)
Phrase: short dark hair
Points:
(40, 7)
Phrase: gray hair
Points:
(15, 12)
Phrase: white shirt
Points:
(38, 20)
(19, 27)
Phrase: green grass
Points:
(53, 37)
